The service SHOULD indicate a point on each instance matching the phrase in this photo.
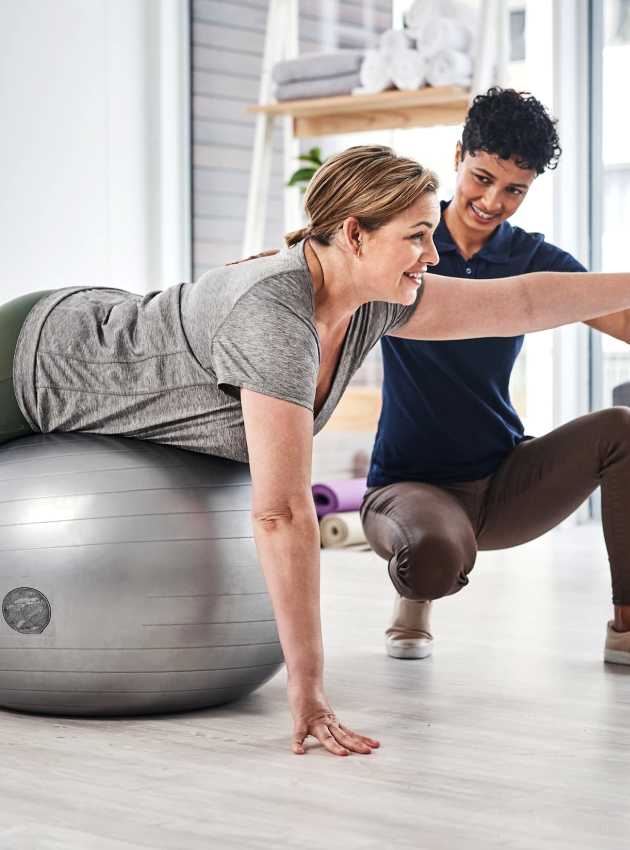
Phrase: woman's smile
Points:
(415, 276)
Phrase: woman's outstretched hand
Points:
(312, 715)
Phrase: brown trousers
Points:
(431, 534)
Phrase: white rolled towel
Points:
(408, 70)
(422, 11)
(449, 68)
(375, 73)
(393, 41)
(442, 34)
(340, 530)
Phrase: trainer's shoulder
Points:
(540, 255)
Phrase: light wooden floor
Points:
(514, 735)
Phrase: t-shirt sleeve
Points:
(560, 261)
(269, 346)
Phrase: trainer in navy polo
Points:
(447, 414)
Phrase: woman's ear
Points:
(352, 236)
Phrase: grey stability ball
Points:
(128, 578)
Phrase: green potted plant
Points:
(302, 176)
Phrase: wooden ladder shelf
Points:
(327, 116)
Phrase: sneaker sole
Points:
(408, 652)
(616, 656)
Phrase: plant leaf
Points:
(313, 155)
(302, 175)
(306, 158)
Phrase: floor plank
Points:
(513, 735)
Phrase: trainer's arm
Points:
(616, 325)
(456, 308)
(279, 441)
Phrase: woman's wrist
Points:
(307, 680)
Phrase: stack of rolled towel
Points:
(318, 74)
(435, 49)
(337, 504)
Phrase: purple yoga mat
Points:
(337, 496)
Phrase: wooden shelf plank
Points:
(383, 101)
(387, 110)
(354, 122)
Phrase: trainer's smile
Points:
(488, 190)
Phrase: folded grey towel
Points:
(323, 87)
(312, 66)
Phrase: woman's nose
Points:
(431, 258)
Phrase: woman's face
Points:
(394, 256)
(488, 190)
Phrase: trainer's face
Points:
(488, 189)
(395, 255)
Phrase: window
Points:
(611, 364)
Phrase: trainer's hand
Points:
(312, 715)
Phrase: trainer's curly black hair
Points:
(510, 123)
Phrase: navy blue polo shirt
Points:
(447, 414)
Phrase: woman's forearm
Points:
(453, 308)
(288, 548)
(559, 298)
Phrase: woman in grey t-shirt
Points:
(249, 361)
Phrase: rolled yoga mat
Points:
(341, 530)
(338, 496)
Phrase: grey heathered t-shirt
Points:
(169, 366)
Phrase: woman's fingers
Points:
(351, 740)
(298, 743)
(371, 742)
(323, 734)
(337, 739)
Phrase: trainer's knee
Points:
(613, 435)
(431, 565)
(615, 422)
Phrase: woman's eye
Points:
(418, 237)
(482, 178)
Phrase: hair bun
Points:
(295, 236)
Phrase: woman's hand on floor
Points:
(312, 715)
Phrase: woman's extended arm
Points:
(456, 308)
(279, 440)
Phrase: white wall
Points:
(84, 103)
(228, 39)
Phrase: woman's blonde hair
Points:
(369, 182)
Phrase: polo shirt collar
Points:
(496, 249)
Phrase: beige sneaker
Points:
(409, 635)
(617, 648)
